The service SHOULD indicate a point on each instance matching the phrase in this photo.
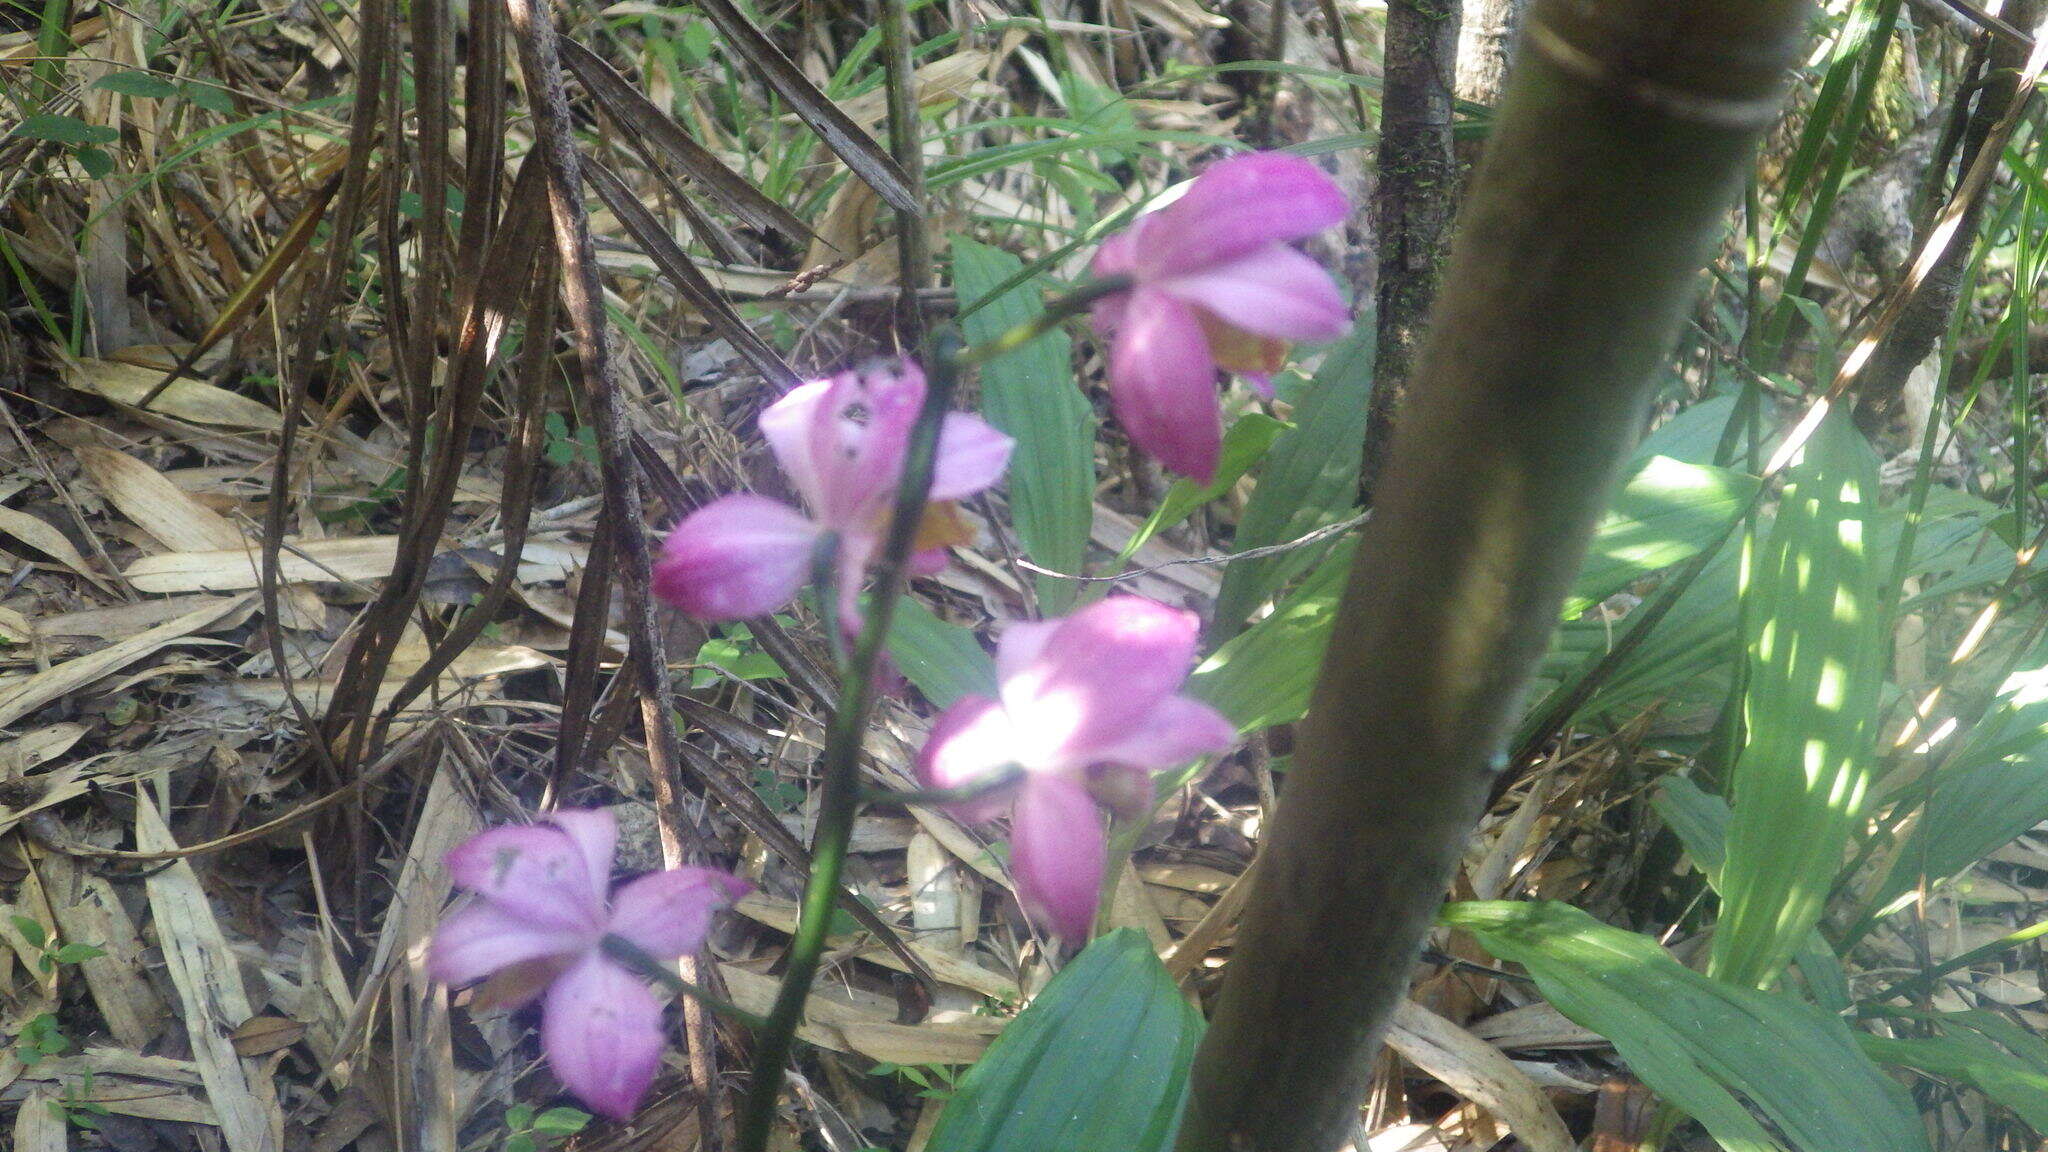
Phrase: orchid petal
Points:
(928, 562)
(1018, 646)
(787, 426)
(858, 439)
(667, 914)
(535, 872)
(735, 557)
(970, 742)
(1162, 383)
(1237, 206)
(1118, 256)
(475, 941)
(595, 832)
(1097, 678)
(849, 568)
(1274, 291)
(1178, 730)
(601, 1030)
(971, 456)
(1057, 854)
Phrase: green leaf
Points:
(1692, 435)
(1665, 514)
(31, 930)
(1992, 788)
(1815, 644)
(1976, 1061)
(1244, 445)
(136, 84)
(1264, 675)
(1700, 821)
(1098, 1061)
(561, 1121)
(211, 97)
(79, 953)
(519, 1117)
(944, 660)
(1705, 1046)
(735, 654)
(66, 130)
(1031, 394)
(97, 163)
(519, 1142)
(1310, 480)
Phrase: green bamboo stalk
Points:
(1622, 140)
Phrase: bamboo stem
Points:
(1621, 142)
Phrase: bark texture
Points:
(1624, 137)
(1485, 38)
(1932, 302)
(1414, 199)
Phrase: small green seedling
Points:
(527, 1132)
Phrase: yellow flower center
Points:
(1236, 350)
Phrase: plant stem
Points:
(633, 956)
(1058, 311)
(913, 245)
(840, 763)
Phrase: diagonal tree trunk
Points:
(1625, 133)
(1415, 198)
(1933, 301)
(1484, 40)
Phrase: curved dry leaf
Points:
(155, 504)
(261, 1035)
(209, 982)
(47, 540)
(26, 694)
(39, 1125)
(235, 569)
(1480, 1073)
(191, 400)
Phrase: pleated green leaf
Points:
(1992, 787)
(1668, 510)
(1815, 646)
(1263, 676)
(1666, 513)
(943, 660)
(1700, 821)
(1031, 394)
(1714, 1050)
(1098, 1062)
(1977, 1062)
(1310, 479)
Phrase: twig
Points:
(913, 244)
(1317, 536)
(583, 295)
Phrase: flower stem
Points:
(824, 562)
(633, 956)
(1058, 311)
(840, 763)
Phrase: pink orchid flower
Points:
(1089, 709)
(842, 442)
(536, 926)
(1215, 285)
